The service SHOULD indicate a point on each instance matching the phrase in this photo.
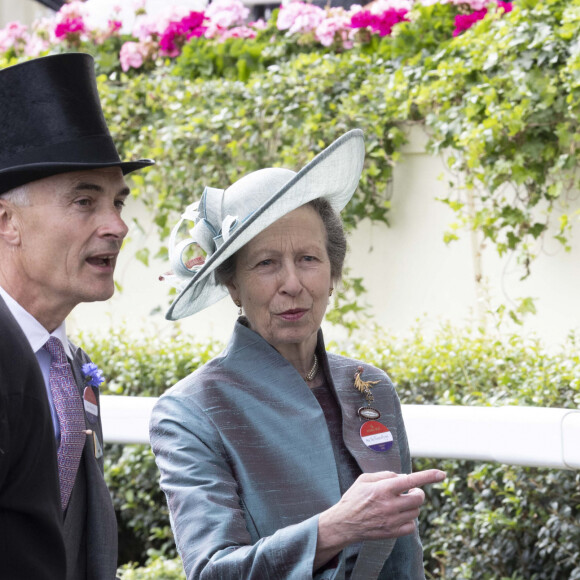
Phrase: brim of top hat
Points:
(13, 177)
(333, 174)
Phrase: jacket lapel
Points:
(373, 554)
(79, 359)
(76, 365)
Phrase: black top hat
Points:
(52, 121)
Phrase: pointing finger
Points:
(406, 482)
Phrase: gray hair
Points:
(17, 196)
(335, 244)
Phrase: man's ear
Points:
(9, 230)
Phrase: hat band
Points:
(92, 150)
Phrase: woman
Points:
(278, 460)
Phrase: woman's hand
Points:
(377, 505)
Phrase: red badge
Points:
(376, 436)
(90, 402)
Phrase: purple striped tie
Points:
(69, 409)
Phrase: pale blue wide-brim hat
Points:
(226, 220)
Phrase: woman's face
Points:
(282, 279)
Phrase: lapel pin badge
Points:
(374, 435)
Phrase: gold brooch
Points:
(365, 387)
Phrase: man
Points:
(61, 195)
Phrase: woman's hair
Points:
(335, 244)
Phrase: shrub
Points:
(156, 569)
(486, 521)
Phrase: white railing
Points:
(532, 436)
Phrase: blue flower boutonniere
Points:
(93, 375)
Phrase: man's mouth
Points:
(103, 261)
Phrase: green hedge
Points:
(487, 521)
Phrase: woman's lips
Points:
(294, 314)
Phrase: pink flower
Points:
(334, 28)
(475, 5)
(299, 17)
(382, 23)
(13, 36)
(227, 13)
(69, 22)
(259, 24)
(177, 33)
(193, 21)
(114, 26)
(326, 31)
(71, 10)
(36, 46)
(43, 29)
(239, 32)
(362, 19)
(168, 43)
(464, 22)
(507, 6)
(151, 27)
(131, 55)
(145, 28)
(214, 30)
(386, 20)
(69, 27)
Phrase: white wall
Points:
(25, 11)
(409, 271)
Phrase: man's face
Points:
(69, 237)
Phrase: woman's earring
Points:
(239, 305)
(330, 292)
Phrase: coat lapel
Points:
(78, 360)
(373, 554)
(76, 365)
(99, 521)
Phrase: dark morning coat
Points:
(31, 530)
(247, 465)
(89, 528)
(90, 525)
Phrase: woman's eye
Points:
(265, 263)
(120, 203)
(83, 202)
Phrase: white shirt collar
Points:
(36, 334)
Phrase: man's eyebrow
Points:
(87, 186)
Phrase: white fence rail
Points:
(532, 436)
